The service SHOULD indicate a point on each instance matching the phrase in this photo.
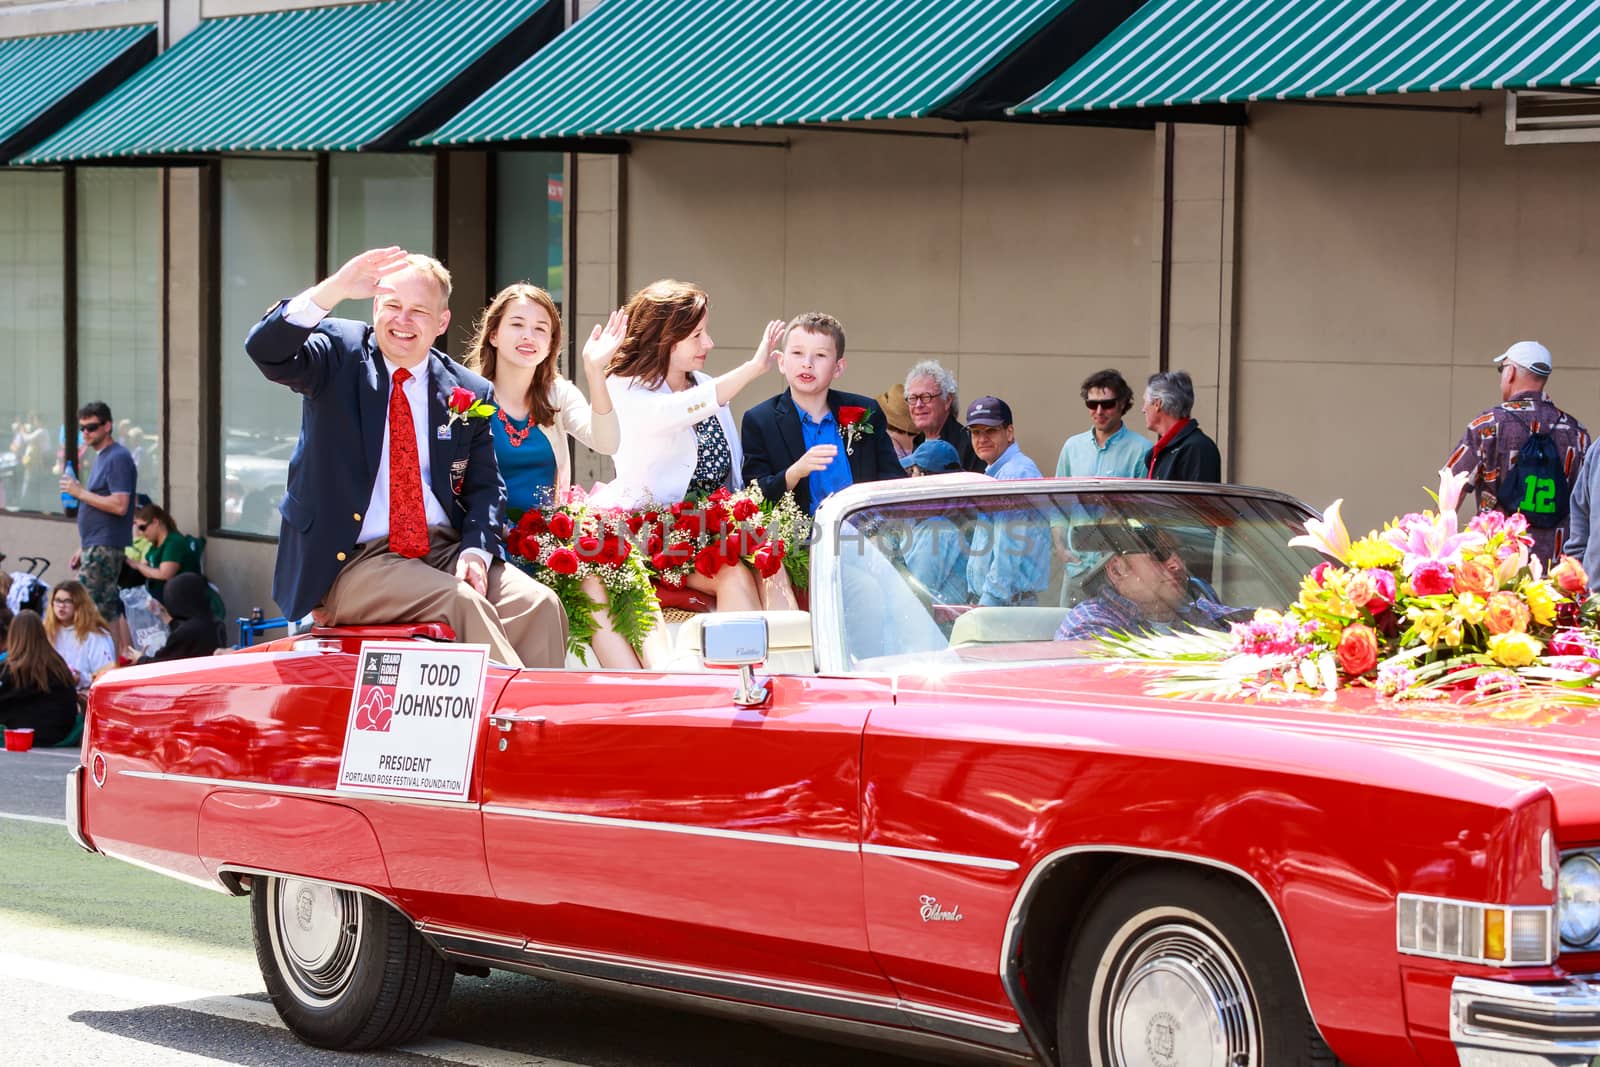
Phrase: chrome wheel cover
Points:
(1168, 993)
(315, 932)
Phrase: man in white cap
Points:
(1523, 453)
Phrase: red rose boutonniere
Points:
(463, 405)
(853, 423)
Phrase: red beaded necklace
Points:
(514, 435)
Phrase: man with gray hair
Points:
(931, 397)
(1182, 452)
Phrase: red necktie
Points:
(408, 522)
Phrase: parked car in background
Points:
(898, 818)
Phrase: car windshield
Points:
(1040, 575)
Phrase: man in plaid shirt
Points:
(1488, 449)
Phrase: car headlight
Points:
(1580, 900)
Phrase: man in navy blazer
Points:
(395, 509)
(794, 441)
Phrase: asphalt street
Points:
(101, 962)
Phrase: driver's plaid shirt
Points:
(1111, 612)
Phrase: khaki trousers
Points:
(520, 620)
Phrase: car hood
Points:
(1557, 744)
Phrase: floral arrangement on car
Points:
(1420, 609)
(562, 545)
(704, 536)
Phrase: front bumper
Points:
(1544, 1024)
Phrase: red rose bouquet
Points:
(563, 545)
(702, 537)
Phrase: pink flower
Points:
(1432, 578)
(1571, 643)
(1383, 589)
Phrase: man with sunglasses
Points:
(1109, 448)
(1141, 586)
(105, 515)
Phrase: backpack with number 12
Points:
(1536, 485)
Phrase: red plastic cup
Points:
(19, 740)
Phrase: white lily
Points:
(1327, 534)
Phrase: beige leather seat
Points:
(1004, 626)
(788, 641)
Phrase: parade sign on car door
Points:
(414, 720)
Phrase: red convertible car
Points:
(929, 813)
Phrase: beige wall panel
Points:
(1374, 436)
(874, 237)
(243, 571)
(1197, 223)
(1055, 250)
(1348, 243)
(54, 539)
(187, 344)
(712, 215)
(1530, 245)
(27, 19)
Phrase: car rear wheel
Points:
(1179, 968)
(345, 970)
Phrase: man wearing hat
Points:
(1141, 585)
(902, 431)
(1010, 562)
(1489, 449)
(994, 439)
(932, 457)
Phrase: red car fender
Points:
(291, 835)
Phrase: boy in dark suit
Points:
(813, 439)
(394, 506)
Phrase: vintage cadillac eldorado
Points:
(895, 819)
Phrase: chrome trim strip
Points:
(941, 857)
(235, 868)
(293, 790)
(203, 883)
(715, 986)
(75, 809)
(1010, 958)
(1536, 1026)
(669, 828)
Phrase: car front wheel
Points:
(1180, 968)
(344, 969)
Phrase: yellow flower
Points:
(1268, 616)
(1541, 598)
(1432, 624)
(1514, 649)
(1370, 551)
(1469, 608)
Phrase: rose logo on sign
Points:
(376, 711)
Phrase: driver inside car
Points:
(1141, 587)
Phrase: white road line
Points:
(47, 820)
(152, 993)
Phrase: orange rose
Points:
(1569, 576)
(1506, 612)
(1358, 650)
(1475, 577)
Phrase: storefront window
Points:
(269, 241)
(375, 202)
(32, 246)
(119, 309)
(530, 195)
(269, 252)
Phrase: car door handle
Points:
(504, 723)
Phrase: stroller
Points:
(28, 590)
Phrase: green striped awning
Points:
(636, 66)
(46, 81)
(1180, 52)
(328, 79)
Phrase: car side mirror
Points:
(736, 641)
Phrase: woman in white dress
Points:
(79, 633)
(679, 441)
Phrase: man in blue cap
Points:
(994, 439)
(932, 457)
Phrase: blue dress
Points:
(528, 469)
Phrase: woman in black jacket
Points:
(187, 600)
(36, 686)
